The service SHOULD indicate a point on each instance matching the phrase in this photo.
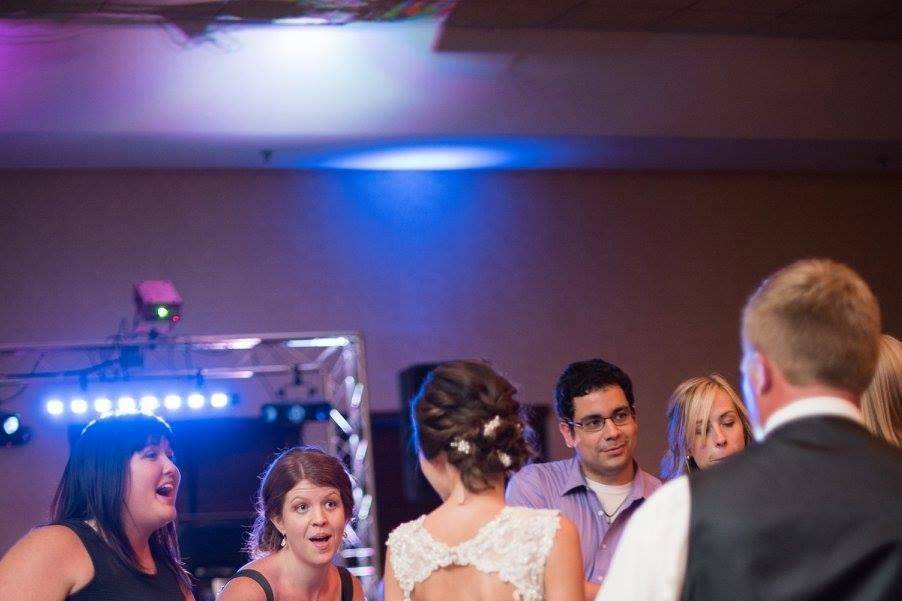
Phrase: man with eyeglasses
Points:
(601, 486)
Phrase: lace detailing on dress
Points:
(514, 545)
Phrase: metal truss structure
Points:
(290, 368)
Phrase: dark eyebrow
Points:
(590, 416)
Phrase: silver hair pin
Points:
(505, 459)
(490, 426)
(461, 445)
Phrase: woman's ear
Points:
(277, 522)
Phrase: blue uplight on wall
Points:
(423, 158)
(447, 154)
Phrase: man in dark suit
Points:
(815, 511)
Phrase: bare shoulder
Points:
(567, 529)
(48, 545)
(53, 556)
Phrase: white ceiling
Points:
(96, 96)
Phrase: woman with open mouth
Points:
(303, 507)
(113, 533)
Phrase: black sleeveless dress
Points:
(114, 580)
(347, 587)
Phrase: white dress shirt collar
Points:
(810, 407)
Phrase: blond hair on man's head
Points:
(818, 322)
(881, 403)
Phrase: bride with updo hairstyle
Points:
(469, 434)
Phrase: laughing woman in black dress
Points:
(113, 533)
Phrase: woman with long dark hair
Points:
(303, 507)
(113, 531)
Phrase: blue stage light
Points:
(55, 407)
(103, 405)
(11, 424)
(196, 401)
(172, 402)
(126, 404)
(149, 403)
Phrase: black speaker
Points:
(416, 487)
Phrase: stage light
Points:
(103, 405)
(173, 402)
(269, 413)
(295, 414)
(13, 432)
(149, 403)
(126, 404)
(157, 301)
(11, 424)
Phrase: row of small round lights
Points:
(129, 404)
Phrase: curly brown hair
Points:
(468, 411)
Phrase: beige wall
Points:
(529, 270)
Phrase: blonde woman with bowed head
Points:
(706, 423)
(469, 435)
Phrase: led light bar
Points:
(169, 403)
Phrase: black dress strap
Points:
(347, 585)
(259, 579)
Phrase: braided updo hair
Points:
(468, 411)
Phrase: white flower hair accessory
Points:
(461, 446)
(490, 426)
(504, 458)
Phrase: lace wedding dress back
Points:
(512, 547)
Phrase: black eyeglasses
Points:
(594, 423)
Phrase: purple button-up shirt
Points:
(561, 485)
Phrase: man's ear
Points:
(764, 374)
(567, 432)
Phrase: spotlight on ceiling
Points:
(12, 432)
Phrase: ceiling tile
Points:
(613, 19)
(507, 13)
(715, 22)
(771, 7)
(806, 26)
(847, 8)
